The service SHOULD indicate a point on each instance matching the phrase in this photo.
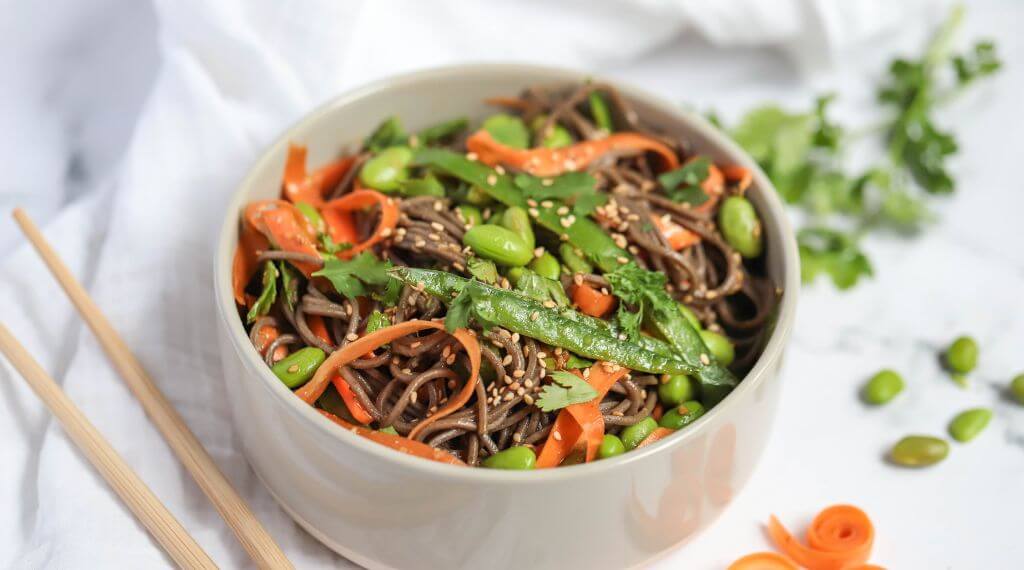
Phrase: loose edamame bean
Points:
(517, 220)
(720, 347)
(962, 355)
(389, 429)
(691, 316)
(387, 170)
(519, 458)
(508, 130)
(632, 435)
(310, 212)
(546, 266)
(498, 244)
(882, 387)
(1017, 388)
(610, 447)
(919, 451)
(968, 424)
(574, 260)
(470, 215)
(741, 227)
(675, 389)
(682, 415)
(298, 367)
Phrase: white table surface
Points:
(965, 273)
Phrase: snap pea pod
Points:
(446, 286)
(530, 318)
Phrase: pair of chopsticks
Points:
(166, 529)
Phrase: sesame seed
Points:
(437, 226)
(704, 359)
(434, 237)
(520, 391)
(499, 169)
(518, 373)
(534, 316)
(507, 360)
(547, 204)
(531, 202)
(420, 286)
(538, 252)
(416, 344)
(351, 337)
(549, 304)
(438, 206)
(413, 396)
(533, 212)
(419, 243)
(565, 222)
(515, 336)
(622, 260)
(564, 237)
(562, 211)
(293, 368)
(471, 156)
(492, 180)
(542, 355)
(386, 232)
(508, 396)
(528, 399)
(547, 182)
(450, 359)
(528, 383)
(555, 434)
(517, 437)
(578, 279)
(407, 371)
(617, 413)
(513, 386)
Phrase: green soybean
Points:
(389, 429)
(741, 227)
(682, 415)
(720, 347)
(1017, 388)
(310, 212)
(610, 447)
(632, 435)
(962, 355)
(513, 274)
(882, 387)
(691, 316)
(500, 245)
(517, 220)
(518, 458)
(546, 266)
(919, 451)
(470, 215)
(574, 259)
(508, 130)
(968, 424)
(298, 367)
(675, 389)
(387, 170)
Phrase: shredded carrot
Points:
(657, 412)
(286, 228)
(351, 402)
(300, 186)
(359, 347)
(713, 186)
(266, 335)
(678, 237)
(763, 561)
(591, 301)
(514, 103)
(319, 328)
(581, 424)
(246, 260)
(555, 161)
(337, 215)
(396, 442)
(658, 434)
(839, 538)
(738, 175)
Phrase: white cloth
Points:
(232, 75)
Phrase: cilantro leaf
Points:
(981, 61)
(267, 296)
(565, 390)
(824, 250)
(349, 277)
(328, 245)
(827, 134)
(540, 288)
(459, 311)
(577, 362)
(482, 269)
(289, 285)
(690, 174)
(630, 283)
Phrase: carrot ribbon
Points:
(581, 425)
(337, 215)
(302, 186)
(763, 561)
(839, 538)
(555, 161)
(397, 442)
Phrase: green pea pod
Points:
(426, 186)
(508, 130)
(556, 327)
(600, 112)
(470, 215)
(298, 367)
(442, 131)
(517, 220)
(574, 261)
(501, 245)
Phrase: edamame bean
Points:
(558, 137)
(610, 447)
(387, 169)
(719, 346)
(517, 220)
(470, 215)
(675, 389)
(514, 274)
(962, 355)
(969, 423)
(741, 227)
(919, 451)
(389, 429)
(310, 212)
(691, 316)
(298, 367)
(632, 435)
(508, 130)
(574, 259)
(882, 387)
(546, 266)
(498, 244)
(682, 415)
(1017, 388)
(518, 458)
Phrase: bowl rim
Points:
(774, 214)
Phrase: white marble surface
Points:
(72, 102)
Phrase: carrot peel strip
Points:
(300, 186)
(657, 435)
(246, 262)
(285, 227)
(678, 237)
(338, 216)
(763, 561)
(348, 396)
(396, 442)
(591, 301)
(840, 537)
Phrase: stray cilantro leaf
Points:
(577, 362)
(267, 296)
(823, 250)
(459, 311)
(389, 295)
(690, 174)
(349, 277)
(328, 245)
(483, 270)
(981, 61)
(289, 285)
(631, 285)
(389, 133)
(827, 134)
(540, 288)
(567, 389)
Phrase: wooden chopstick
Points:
(258, 543)
(153, 515)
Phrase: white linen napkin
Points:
(234, 74)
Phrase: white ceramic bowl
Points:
(383, 509)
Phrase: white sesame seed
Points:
(534, 315)
(528, 399)
(518, 373)
(413, 396)
(562, 211)
(547, 182)
(556, 435)
(351, 337)
(471, 156)
(538, 252)
(704, 359)
(499, 169)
